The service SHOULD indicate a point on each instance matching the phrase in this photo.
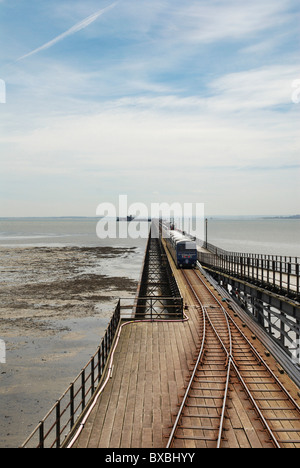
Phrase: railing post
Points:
(58, 424)
(72, 421)
(280, 273)
(289, 277)
(268, 270)
(274, 272)
(106, 345)
(83, 390)
(102, 356)
(41, 435)
(92, 375)
(99, 364)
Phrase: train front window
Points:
(185, 250)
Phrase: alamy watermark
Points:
(296, 92)
(2, 92)
(130, 221)
(2, 352)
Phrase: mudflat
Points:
(55, 304)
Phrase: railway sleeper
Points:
(206, 439)
(286, 430)
(199, 428)
(207, 388)
(201, 416)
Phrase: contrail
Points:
(76, 28)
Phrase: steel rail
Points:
(231, 361)
(277, 351)
(224, 403)
(291, 399)
(258, 410)
(244, 384)
(297, 407)
(190, 382)
(199, 358)
(225, 396)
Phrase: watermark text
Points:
(131, 221)
(2, 92)
(2, 352)
(296, 92)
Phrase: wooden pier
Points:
(152, 365)
(157, 378)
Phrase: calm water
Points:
(261, 236)
(266, 236)
(56, 232)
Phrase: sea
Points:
(268, 236)
(59, 284)
(272, 236)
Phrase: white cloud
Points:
(260, 88)
(74, 29)
(149, 116)
(144, 138)
(236, 124)
(215, 20)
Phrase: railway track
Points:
(226, 359)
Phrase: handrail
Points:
(64, 413)
(253, 256)
(62, 417)
(278, 274)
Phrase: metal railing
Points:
(53, 429)
(58, 422)
(218, 251)
(280, 273)
(159, 308)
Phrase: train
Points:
(182, 248)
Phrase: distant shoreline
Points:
(283, 217)
(85, 218)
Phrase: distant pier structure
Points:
(204, 358)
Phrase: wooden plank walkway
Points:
(151, 365)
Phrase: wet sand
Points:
(55, 304)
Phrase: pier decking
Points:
(152, 364)
(157, 378)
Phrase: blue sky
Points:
(165, 101)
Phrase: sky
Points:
(161, 100)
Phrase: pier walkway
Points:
(153, 364)
(198, 377)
